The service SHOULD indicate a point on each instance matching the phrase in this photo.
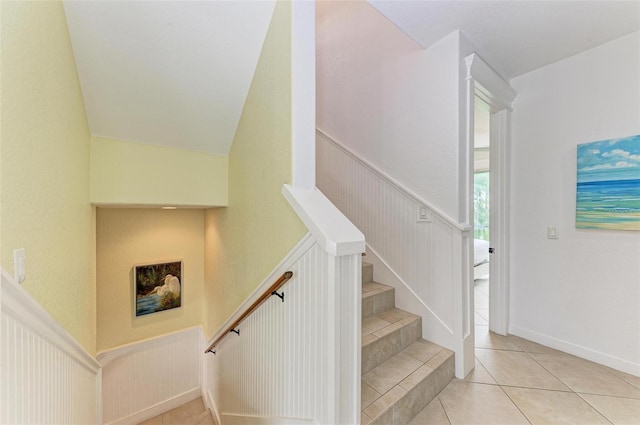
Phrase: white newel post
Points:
(347, 311)
(343, 244)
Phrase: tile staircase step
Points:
(401, 372)
(386, 334)
(367, 272)
(376, 298)
(399, 388)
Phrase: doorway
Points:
(481, 215)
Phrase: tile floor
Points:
(520, 382)
(191, 413)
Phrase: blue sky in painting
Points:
(615, 159)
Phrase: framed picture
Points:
(608, 190)
(157, 287)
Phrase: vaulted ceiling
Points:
(177, 73)
(173, 73)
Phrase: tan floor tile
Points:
(179, 415)
(530, 346)
(368, 396)
(486, 339)
(384, 402)
(442, 356)
(470, 403)
(153, 421)
(583, 376)
(620, 411)
(517, 369)
(207, 420)
(370, 287)
(480, 375)
(367, 339)
(389, 374)
(554, 407)
(631, 379)
(422, 350)
(433, 414)
(388, 329)
(416, 377)
(393, 315)
(364, 419)
(372, 324)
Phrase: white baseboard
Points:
(207, 398)
(159, 408)
(577, 350)
(230, 419)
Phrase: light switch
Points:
(19, 265)
(424, 214)
(552, 233)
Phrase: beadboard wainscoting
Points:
(426, 252)
(144, 379)
(291, 359)
(46, 376)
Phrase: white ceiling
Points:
(516, 37)
(172, 73)
(177, 73)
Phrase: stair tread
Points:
(383, 323)
(372, 288)
(401, 372)
(394, 379)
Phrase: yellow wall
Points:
(245, 241)
(45, 166)
(139, 174)
(126, 237)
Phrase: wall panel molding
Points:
(47, 377)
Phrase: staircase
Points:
(401, 372)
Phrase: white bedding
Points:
(480, 251)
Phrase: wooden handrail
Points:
(273, 288)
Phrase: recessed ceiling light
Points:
(169, 208)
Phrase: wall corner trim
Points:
(333, 231)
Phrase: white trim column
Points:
(487, 85)
(303, 93)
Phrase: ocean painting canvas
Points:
(608, 189)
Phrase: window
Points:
(481, 205)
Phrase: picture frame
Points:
(157, 287)
(608, 184)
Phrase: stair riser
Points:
(378, 303)
(417, 398)
(391, 344)
(367, 273)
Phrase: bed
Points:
(480, 258)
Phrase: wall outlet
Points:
(552, 233)
(19, 265)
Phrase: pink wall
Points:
(389, 100)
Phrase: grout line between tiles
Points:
(515, 404)
(594, 407)
(442, 405)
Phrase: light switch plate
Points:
(552, 232)
(19, 265)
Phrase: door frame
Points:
(483, 82)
